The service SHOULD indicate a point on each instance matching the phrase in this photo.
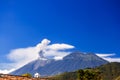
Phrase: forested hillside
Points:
(110, 71)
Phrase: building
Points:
(36, 75)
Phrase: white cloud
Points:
(60, 46)
(56, 54)
(109, 57)
(105, 55)
(58, 58)
(112, 59)
(6, 71)
(21, 53)
(22, 56)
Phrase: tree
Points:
(80, 74)
(88, 75)
(27, 75)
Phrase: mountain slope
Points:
(110, 71)
(71, 62)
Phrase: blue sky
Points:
(90, 26)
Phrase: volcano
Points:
(71, 62)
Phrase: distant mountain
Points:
(109, 71)
(71, 62)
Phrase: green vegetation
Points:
(78, 75)
(110, 71)
(27, 75)
(65, 76)
(88, 75)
